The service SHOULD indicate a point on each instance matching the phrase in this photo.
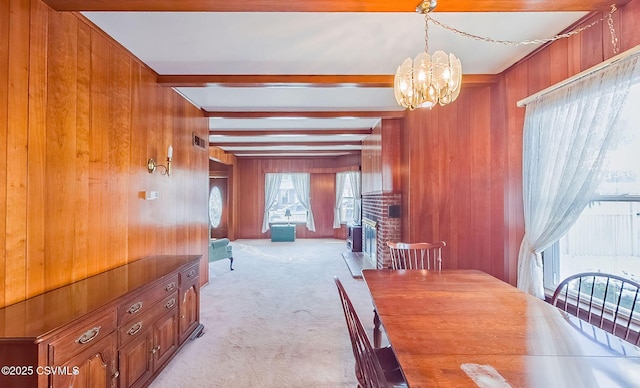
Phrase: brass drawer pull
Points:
(170, 286)
(192, 273)
(89, 335)
(135, 308)
(170, 303)
(135, 329)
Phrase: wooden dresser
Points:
(115, 329)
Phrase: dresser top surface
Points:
(36, 316)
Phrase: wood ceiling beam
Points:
(329, 5)
(284, 152)
(267, 144)
(392, 114)
(277, 80)
(298, 80)
(268, 132)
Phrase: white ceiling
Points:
(251, 43)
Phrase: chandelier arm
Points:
(537, 41)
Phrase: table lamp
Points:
(287, 213)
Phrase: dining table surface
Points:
(466, 328)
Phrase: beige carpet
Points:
(275, 321)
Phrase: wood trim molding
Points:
(286, 153)
(267, 132)
(287, 144)
(393, 114)
(327, 5)
(298, 80)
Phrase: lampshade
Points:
(287, 213)
(428, 79)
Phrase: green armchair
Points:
(220, 249)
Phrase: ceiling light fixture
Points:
(428, 80)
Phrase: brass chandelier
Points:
(428, 80)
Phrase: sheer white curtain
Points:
(271, 189)
(567, 133)
(302, 186)
(341, 179)
(354, 176)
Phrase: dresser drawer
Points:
(137, 327)
(188, 275)
(139, 303)
(82, 335)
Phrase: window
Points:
(606, 236)
(347, 204)
(287, 200)
(215, 207)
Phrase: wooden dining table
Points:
(465, 328)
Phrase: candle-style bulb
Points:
(170, 152)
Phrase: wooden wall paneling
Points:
(501, 264)
(404, 171)
(99, 172)
(515, 89)
(446, 124)
(558, 61)
(62, 96)
(371, 161)
(167, 200)
(538, 75)
(464, 192)
(16, 143)
(69, 204)
(390, 155)
(4, 134)
(180, 177)
(82, 203)
(137, 173)
(629, 25)
(591, 49)
(119, 152)
(35, 280)
(323, 189)
(412, 147)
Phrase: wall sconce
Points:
(151, 164)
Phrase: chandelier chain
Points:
(426, 32)
(609, 17)
(612, 30)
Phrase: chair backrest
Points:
(417, 255)
(368, 369)
(607, 301)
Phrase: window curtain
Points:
(567, 134)
(271, 190)
(354, 176)
(302, 186)
(341, 179)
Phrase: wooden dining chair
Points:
(375, 367)
(607, 301)
(410, 256)
(417, 255)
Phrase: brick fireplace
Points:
(382, 212)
